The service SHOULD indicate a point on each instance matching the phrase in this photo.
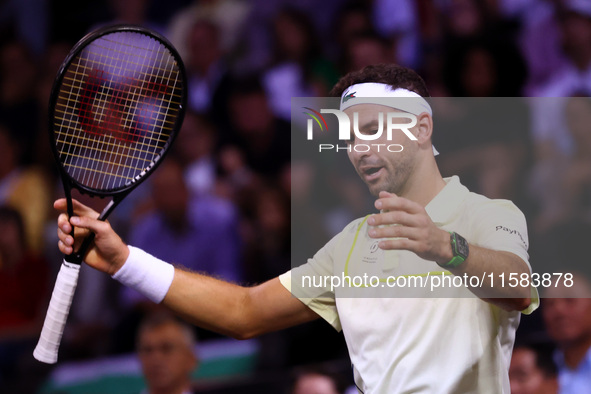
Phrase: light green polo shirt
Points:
(416, 338)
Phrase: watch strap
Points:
(458, 258)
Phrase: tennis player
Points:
(457, 341)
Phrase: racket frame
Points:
(117, 194)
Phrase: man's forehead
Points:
(165, 330)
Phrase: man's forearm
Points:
(210, 303)
(236, 311)
(492, 265)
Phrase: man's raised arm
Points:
(229, 309)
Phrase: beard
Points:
(397, 172)
(394, 181)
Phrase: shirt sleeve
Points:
(311, 282)
(501, 226)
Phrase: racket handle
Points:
(57, 313)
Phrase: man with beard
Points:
(455, 339)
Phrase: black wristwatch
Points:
(459, 248)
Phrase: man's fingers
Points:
(66, 238)
(65, 228)
(65, 249)
(64, 224)
(398, 244)
(60, 204)
(395, 232)
(94, 225)
(394, 217)
(391, 202)
(79, 208)
(82, 210)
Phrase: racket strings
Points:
(130, 83)
(116, 108)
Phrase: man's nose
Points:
(360, 149)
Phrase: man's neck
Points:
(425, 183)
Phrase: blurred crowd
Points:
(220, 203)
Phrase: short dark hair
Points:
(390, 74)
(160, 318)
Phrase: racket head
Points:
(115, 108)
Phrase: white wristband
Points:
(146, 274)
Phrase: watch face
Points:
(462, 246)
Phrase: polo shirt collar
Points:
(441, 208)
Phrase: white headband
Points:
(382, 94)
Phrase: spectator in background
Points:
(352, 19)
(197, 232)
(489, 152)
(263, 138)
(52, 59)
(567, 315)
(397, 21)
(315, 381)
(484, 67)
(208, 74)
(229, 17)
(562, 182)
(133, 12)
(23, 188)
(195, 147)
(268, 236)
(454, 26)
(299, 68)
(532, 369)
(237, 181)
(538, 37)
(574, 19)
(365, 49)
(466, 19)
(577, 179)
(24, 277)
(18, 110)
(549, 133)
(166, 349)
(30, 27)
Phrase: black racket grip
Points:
(78, 257)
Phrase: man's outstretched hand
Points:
(404, 224)
(108, 253)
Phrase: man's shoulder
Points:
(487, 216)
(355, 226)
(479, 204)
(348, 234)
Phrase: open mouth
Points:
(371, 173)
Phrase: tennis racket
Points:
(116, 106)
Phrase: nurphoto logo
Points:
(392, 124)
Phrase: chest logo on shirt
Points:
(374, 255)
(374, 247)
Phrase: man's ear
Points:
(424, 129)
